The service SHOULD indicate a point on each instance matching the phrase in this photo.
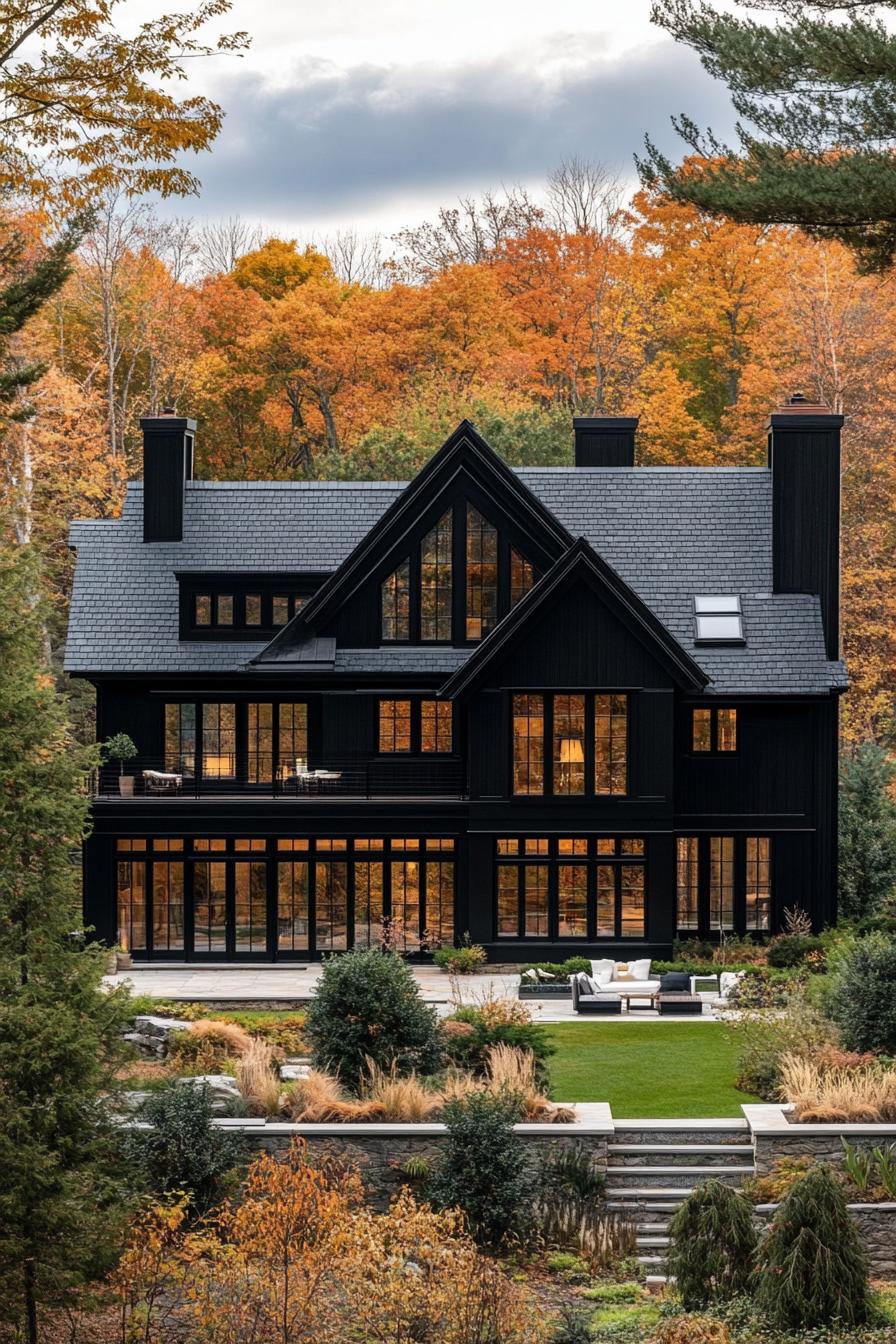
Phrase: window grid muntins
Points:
(436, 581)
(396, 603)
(436, 724)
(567, 746)
(713, 729)
(522, 576)
(611, 745)
(688, 881)
(538, 887)
(721, 882)
(758, 883)
(482, 575)
(528, 744)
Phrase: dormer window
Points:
(719, 619)
(236, 607)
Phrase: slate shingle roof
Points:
(670, 532)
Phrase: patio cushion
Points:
(639, 970)
(675, 982)
(603, 970)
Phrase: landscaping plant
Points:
(462, 960)
(811, 1269)
(862, 1000)
(495, 1022)
(796, 1028)
(483, 1169)
(821, 1094)
(62, 1191)
(367, 1007)
(183, 1153)
(866, 867)
(712, 1242)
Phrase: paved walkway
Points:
(270, 985)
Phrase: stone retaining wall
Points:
(877, 1228)
(381, 1152)
(775, 1138)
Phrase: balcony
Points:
(331, 777)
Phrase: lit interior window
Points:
(719, 619)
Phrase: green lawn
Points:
(651, 1068)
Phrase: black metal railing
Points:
(225, 776)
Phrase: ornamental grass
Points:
(838, 1095)
(258, 1079)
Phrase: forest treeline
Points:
(354, 358)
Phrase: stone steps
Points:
(679, 1154)
(653, 1165)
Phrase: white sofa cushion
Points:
(629, 986)
(602, 970)
(640, 970)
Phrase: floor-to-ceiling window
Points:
(724, 884)
(576, 887)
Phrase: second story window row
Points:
(416, 726)
(424, 600)
(570, 744)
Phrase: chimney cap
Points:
(797, 412)
(609, 424)
(165, 422)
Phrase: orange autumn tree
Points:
(302, 1260)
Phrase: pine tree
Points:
(712, 1242)
(815, 97)
(812, 1269)
(59, 1032)
(867, 860)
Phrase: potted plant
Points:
(121, 748)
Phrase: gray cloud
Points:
(335, 140)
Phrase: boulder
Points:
(150, 1034)
(223, 1088)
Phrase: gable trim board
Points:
(465, 452)
(579, 563)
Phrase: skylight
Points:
(719, 619)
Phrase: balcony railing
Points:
(340, 777)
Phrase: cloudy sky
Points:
(371, 113)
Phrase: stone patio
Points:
(266, 986)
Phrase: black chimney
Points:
(605, 440)
(804, 457)
(167, 466)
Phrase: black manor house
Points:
(570, 709)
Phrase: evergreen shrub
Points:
(862, 1000)
(483, 1169)
(367, 1007)
(183, 1151)
(812, 1269)
(712, 1241)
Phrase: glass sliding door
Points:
(167, 906)
(368, 902)
(292, 906)
(131, 890)
(405, 877)
(250, 898)
(331, 905)
(210, 907)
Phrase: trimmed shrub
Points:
(796, 949)
(463, 960)
(712, 1242)
(862, 1000)
(367, 1007)
(812, 1270)
(483, 1169)
(183, 1151)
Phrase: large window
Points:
(528, 744)
(396, 603)
(435, 581)
(295, 896)
(721, 882)
(395, 725)
(219, 741)
(757, 883)
(569, 744)
(576, 887)
(688, 882)
(482, 575)
(724, 884)
(611, 745)
(713, 729)
(423, 599)
(585, 737)
(415, 726)
(180, 739)
(256, 743)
